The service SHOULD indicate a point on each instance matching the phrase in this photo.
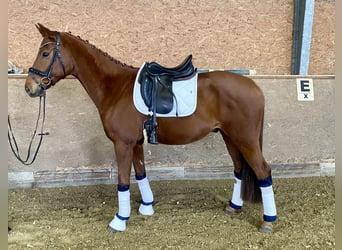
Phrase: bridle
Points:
(46, 79)
(45, 82)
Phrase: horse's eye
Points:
(45, 54)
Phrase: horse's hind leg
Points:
(235, 204)
(251, 157)
(147, 202)
(256, 161)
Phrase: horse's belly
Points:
(178, 131)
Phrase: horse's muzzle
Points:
(34, 92)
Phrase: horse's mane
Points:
(101, 51)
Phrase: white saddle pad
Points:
(184, 102)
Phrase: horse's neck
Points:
(92, 79)
(100, 76)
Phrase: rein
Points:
(13, 142)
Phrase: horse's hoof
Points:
(266, 227)
(231, 211)
(146, 210)
(112, 230)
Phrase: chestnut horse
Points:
(226, 102)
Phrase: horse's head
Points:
(49, 66)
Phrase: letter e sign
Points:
(305, 89)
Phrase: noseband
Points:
(47, 75)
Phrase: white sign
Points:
(305, 90)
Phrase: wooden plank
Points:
(296, 170)
(71, 177)
(46, 175)
(327, 167)
(85, 176)
(208, 172)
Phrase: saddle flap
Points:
(146, 88)
(158, 90)
(164, 95)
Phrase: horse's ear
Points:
(43, 30)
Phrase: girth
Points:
(156, 90)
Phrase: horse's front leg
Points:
(124, 157)
(147, 201)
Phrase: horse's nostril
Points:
(27, 89)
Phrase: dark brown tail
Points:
(250, 190)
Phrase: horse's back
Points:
(229, 88)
